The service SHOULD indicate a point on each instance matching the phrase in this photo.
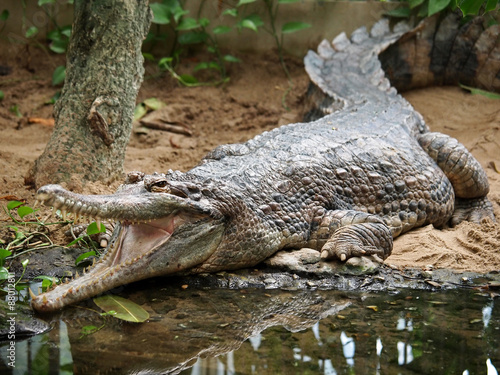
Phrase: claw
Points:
(32, 295)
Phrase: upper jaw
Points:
(156, 234)
(133, 203)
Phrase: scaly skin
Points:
(345, 184)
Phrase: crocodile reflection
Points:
(191, 325)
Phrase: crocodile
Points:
(346, 184)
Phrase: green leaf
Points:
(15, 110)
(32, 31)
(24, 263)
(4, 253)
(255, 18)
(207, 65)
(13, 204)
(92, 229)
(49, 278)
(221, 29)
(188, 79)
(124, 309)
(200, 66)
(148, 56)
(475, 91)
(59, 46)
(193, 37)
(470, 7)
(42, 2)
(4, 16)
(249, 24)
(437, 6)
(58, 75)
(231, 58)
(139, 111)
(243, 2)
(66, 30)
(291, 27)
(2, 95)
(161, 13)
(415, 3)
(4, 273)
(490, 5)
(204, 22)
(154, 103)
(52, 100)
(24, 210)
(165, 62)
(84, 256)
(47, 281)
(187, 23)
(231, 12)
(287, 1)
(402, 12)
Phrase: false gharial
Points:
(345, 184)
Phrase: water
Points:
(274, 332)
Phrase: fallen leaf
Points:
(41, 121)
(124, 309)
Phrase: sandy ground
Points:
(248, 105)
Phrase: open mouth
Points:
(134, 239)
(156, 234)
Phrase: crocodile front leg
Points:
(344, 234)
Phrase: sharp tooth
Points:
(77, 275)
(44, 299)
(98, 222)
(32, 295)
(93, 262)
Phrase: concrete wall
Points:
(328, 18)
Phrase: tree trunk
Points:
(93, 116)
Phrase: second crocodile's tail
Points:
(371, 66)
(443, 51)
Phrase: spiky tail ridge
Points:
(371, 66)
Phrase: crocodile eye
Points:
(160, 184)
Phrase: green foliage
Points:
(474, 91)
(196, 30)
(30, 232)
(427, 8)
(48, 282)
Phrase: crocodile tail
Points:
(439, 51)
(347, 71)
(443, 51)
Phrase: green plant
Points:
(4, 16)
(272, 8)
(199, 30)
(427, 8)
(31, 233)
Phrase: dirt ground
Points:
(248, 105)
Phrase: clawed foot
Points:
(346, 251)
(473, 210)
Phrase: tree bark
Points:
(93, 116)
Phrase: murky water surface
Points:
(274, 332)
